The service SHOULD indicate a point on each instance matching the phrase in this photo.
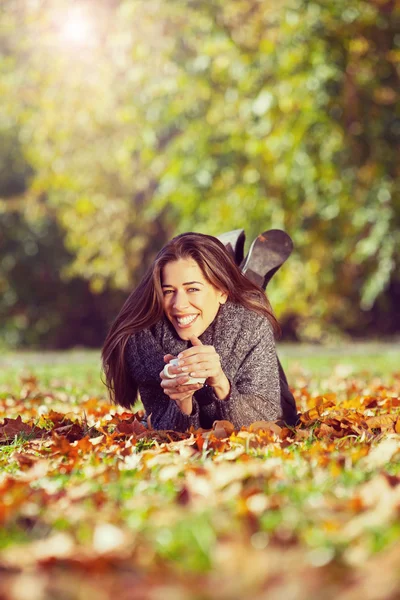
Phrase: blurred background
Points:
(125, 122)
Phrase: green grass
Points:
(77, 372)
(380, 359)
(71, 370)
(82, 367)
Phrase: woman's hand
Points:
(175, 388)
(204, 361)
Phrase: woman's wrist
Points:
(186, 406)
(221, 387)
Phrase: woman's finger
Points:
(163, 376)
(172, 386)
(175, 370)
(179, 394)
(211, 358)
(196, 350)
(170, 383)
(204, 373)
(168, 357)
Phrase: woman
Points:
(195, 304)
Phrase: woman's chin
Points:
(186, 334)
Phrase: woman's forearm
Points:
(222, 388)
(186, 406)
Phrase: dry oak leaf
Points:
(131, 427)
(125, 417)
(58, 419)
(223, 429)
(13, 427)
(61, 445)
(382, 422)
(265, 426)
(25, 460)
(316, 412)
(326, 431)
(72, 432)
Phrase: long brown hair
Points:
(144, 306)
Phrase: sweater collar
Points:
(166, 334)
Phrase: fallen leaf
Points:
(14, 427)
(265, 426)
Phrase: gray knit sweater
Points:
(245, 342)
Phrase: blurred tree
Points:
(39, 307)
(141, 120)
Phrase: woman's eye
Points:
(168, 292)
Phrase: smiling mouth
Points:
(184, 322)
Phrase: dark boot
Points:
(267, 254)
(234, 243)
(288, 403)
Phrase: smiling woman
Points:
(195, 307)
(190, 309)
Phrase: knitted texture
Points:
(245, 343)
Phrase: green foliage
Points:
(189, 115)
(38, 305)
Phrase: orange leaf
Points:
(383, 422)
(397, 426)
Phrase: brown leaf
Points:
(223, 429)
(24, 459)
(321, 404)
(265, 426)
(131, 428)
(62, 446)
(393, 480)
(302, 434)
(59, 419)
(326, 431)
(382, 422)
(13, 427)
(183, 496)
(149, 425)
(72, 432)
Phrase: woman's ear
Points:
(223, 298)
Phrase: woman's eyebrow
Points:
(187, 283)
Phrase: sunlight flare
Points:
(77, 29)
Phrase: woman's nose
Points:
(180, 300)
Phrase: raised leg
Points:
(234, 243)
(266, 255)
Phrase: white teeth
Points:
(185, 320)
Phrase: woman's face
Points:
(190, 302)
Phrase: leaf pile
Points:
(93, 502)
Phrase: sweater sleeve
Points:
(255, 388)
(165, 413)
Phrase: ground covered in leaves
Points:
(91, 502)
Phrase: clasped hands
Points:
(197, 361)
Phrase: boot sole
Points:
(266, 255)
